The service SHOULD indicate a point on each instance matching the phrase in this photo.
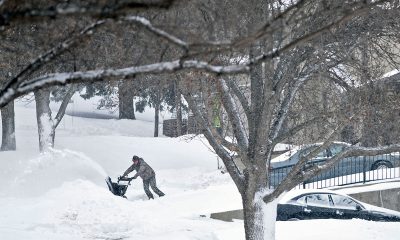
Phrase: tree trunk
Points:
(8, 142)
(259, 217)
(125, 97)
(178, 108)
(46, 127)
(157, 113)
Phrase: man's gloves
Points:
(123, 178)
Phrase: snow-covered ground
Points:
(62, 194)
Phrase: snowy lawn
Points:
(62, 194)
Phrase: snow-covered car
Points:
(324, 204)
(281, 165)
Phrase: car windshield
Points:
(344, 202)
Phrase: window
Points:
(343, 202)
(335, 149)
(301, 200)
(317, 200)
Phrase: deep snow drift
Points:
(62, 194)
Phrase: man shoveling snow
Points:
(148, 175)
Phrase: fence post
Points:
(364, 169)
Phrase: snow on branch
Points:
(231, 109)
(9, 93)
(161, 33)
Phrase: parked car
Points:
(324, 204)
(281, 165)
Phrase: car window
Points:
(343, 202)
(335, 149)
(317, 200)
(324, 153)
(301, 200)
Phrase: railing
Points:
(347, 171)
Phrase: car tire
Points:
(381, 165)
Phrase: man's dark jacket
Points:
(143, 170)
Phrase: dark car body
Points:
(328, 204)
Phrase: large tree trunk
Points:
(125, 97)
(259, 217)
(157, 113)
(46, 127)
(8, 142)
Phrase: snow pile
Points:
(35, 176)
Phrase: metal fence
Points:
(347, 171)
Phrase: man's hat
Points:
(135, 158)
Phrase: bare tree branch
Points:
(284, 108)
(301, 126)
(233, 170)
(48, 56)
(233, 112)
(9, 93)
(64, 104)
(292, 179)
(161, 33)
(349, 14)
(241, 97)
(76, 9)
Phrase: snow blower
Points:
(117, 188)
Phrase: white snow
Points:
(62, 194)
(391, 73)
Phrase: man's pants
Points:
(152, 182)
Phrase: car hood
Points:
(381, 210)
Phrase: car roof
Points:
(298, 192)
